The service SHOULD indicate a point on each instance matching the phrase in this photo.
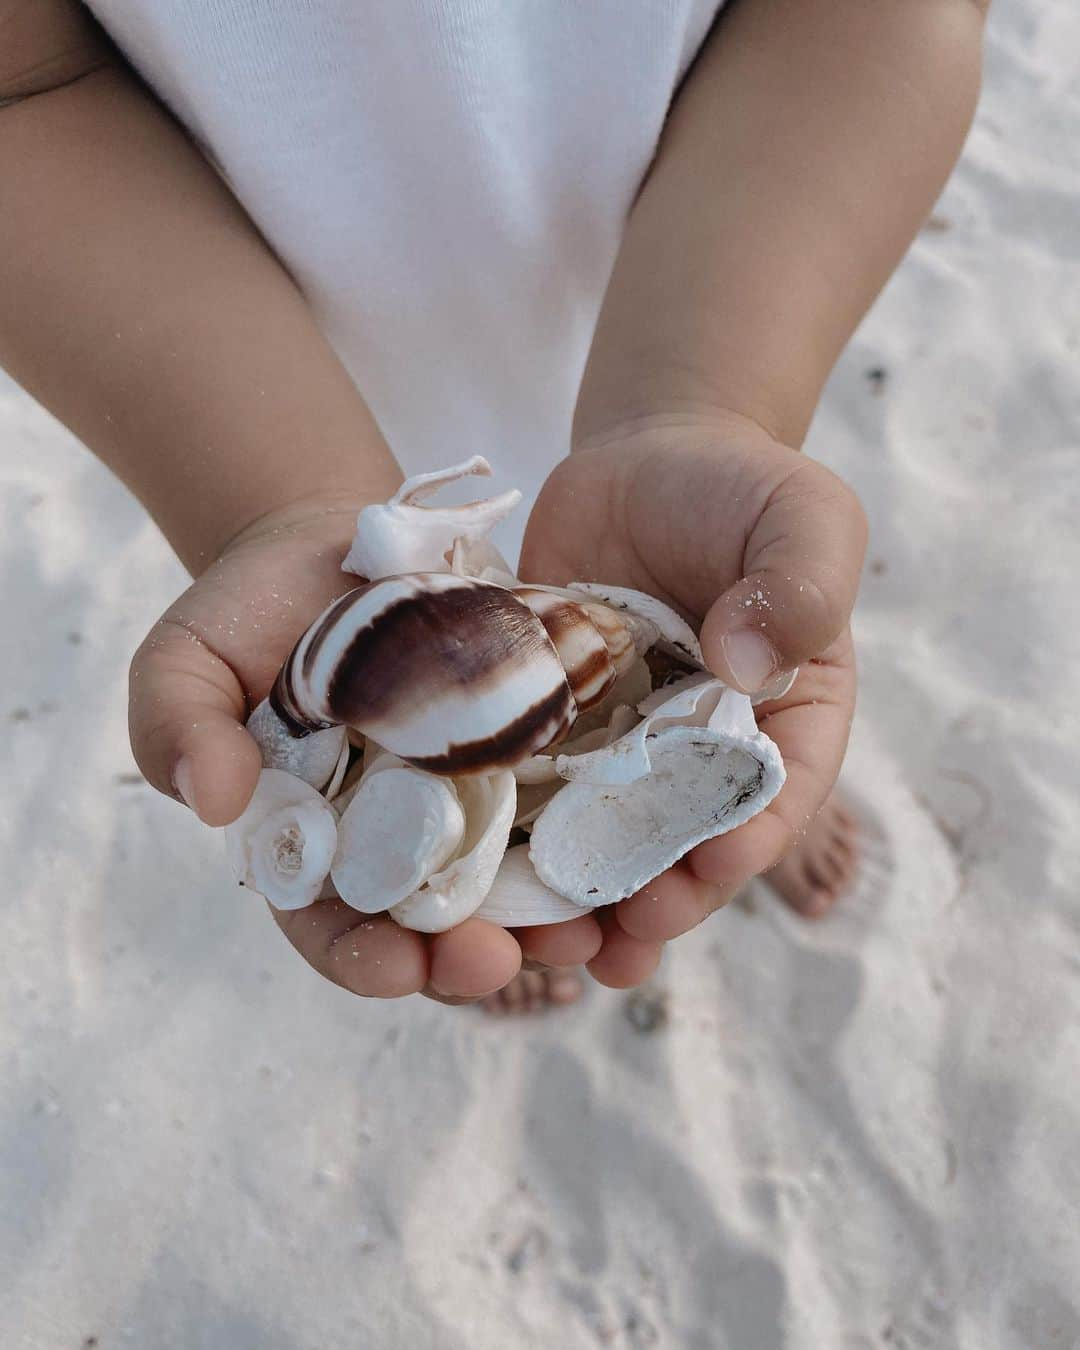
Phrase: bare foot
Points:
(535, 991)
(817, 872)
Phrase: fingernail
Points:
(750, 659)
(182, 778)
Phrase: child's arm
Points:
(804, 150)
(141, 306)
(802, 155)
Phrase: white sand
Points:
(863, 1133)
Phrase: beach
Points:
(857, 1133)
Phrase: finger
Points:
(812, 737)
(472, 960)
(561, 944)
(670, 905)
(185, 714)
(622, 961)
(801, 572)
(368, 954)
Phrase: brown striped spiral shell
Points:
(453, 674)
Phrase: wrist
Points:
(678, 422)
(616, 402)
(325, 519)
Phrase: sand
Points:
(862, 1133)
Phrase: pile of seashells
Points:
(445, 740)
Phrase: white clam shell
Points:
(614, 829)
(283, 844)
(402, 535)
(315, 758)
(519, 899)
(401, 826)
(452, 895)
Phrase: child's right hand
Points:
(210, 658)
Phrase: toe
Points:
(817, 903)
(564, 986)
(831, 866)
(535, 991)
(531, 984)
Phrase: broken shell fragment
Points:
(613, 829)
(314, 758)
(478, 557)
(627, 758)
(283, 844)
(403, 535)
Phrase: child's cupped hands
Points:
(714, 517)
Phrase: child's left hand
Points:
(717, 518)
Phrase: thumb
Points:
(186, 710)
(801, 573)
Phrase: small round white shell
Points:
(401, 826)
(283, 844)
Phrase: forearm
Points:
(139, 304)
(799, 160)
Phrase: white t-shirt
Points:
(447, 180)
